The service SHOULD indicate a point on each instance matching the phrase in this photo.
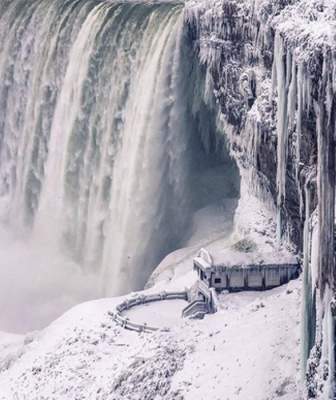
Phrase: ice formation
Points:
(283, 135)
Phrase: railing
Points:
(124, 322)
(204, 289)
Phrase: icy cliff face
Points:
(272, 67)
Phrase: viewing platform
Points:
(228, 271)
(235, 271)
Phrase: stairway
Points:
(196, 310)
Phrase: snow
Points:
(307, 25)
(213, 221)
(8, 346)
(211, 229)
(230, 257)
(157, 314)
(248, 350)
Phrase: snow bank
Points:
(248, 350)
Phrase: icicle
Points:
(283, 80)
(299, 117)
(326, 177)
(309, 279)
(292, 93)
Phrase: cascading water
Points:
(101, 120)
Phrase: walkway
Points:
(125, 322)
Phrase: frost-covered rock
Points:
(271, 65)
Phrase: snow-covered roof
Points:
(230, 257)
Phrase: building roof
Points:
(230, 258)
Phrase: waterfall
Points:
(100, 120)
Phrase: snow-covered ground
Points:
(162, 313)
(248, 350)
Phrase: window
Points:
(218, 280)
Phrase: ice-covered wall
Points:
(272, 68)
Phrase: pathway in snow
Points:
(166, 313)
(249, 350)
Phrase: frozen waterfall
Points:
(104, 133)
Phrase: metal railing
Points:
(125, 323)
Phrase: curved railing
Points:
(124, 322)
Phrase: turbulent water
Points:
(104, 134)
